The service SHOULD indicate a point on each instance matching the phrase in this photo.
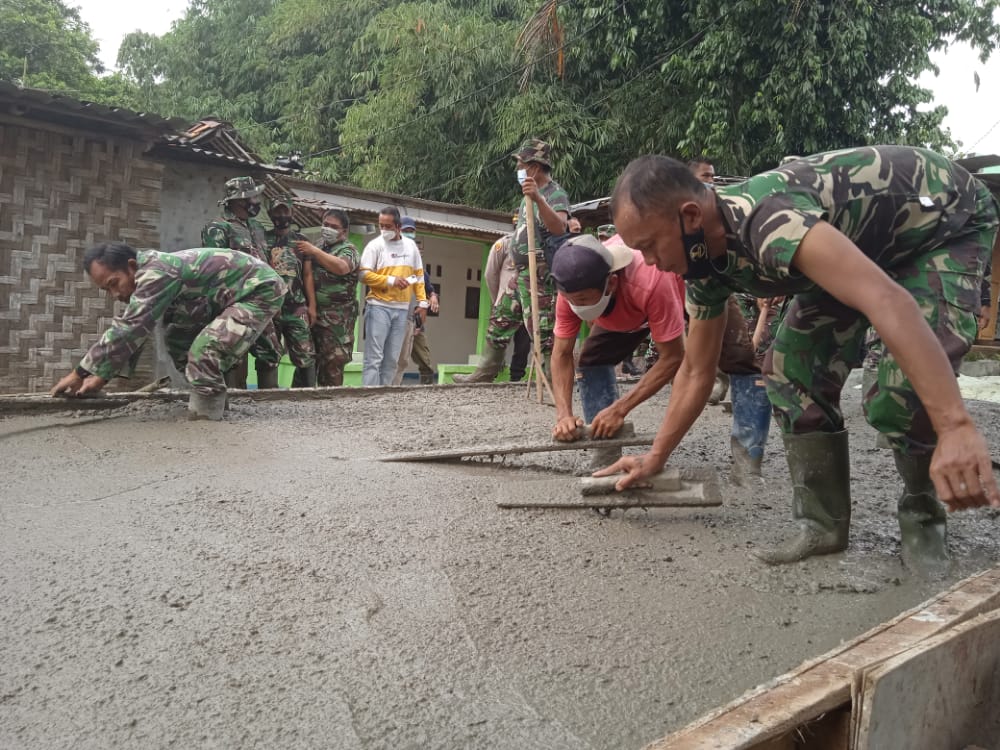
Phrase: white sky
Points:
(973, 117)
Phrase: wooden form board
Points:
(942, 693)
(821, 686)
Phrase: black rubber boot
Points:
(305, 377)
(923, 522)
(820, 468)
(267, 377)
(487, 370)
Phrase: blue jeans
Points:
(385, 329)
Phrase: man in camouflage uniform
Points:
(237, 229)
(551, 214)
(299, 310)
(890, 236)
(214, 304)
(335, 275)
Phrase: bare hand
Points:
(607, 423)
(311, 313)
(435, 305)
(400, 283)
(306, 248)
(961, 469)
(635, 468)
(530, 188)
(74, 385)
(69, 384)
(984, 319)
(567, 429)
(422, 312)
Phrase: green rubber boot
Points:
(211, 407)
(923, 522)
(820, 468)
(488, 368)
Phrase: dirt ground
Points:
(264, 582)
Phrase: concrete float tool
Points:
(671, 488)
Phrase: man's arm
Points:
(609, 420)
(961, 468)
(692, 384)
(215, 235)
(563, 373)
(332, 263)
(555, 221)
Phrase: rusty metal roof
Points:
(215, 141)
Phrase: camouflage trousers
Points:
(205, 353)
(333, 337)
(514, 309)
(821, 340)
(292, 324)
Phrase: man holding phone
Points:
(392, 269)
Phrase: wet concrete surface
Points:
(263, 582)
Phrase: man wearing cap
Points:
(237, 229)
(299, 311)
(551, 214)
(336, 267)
(889, 236)
(624, 300)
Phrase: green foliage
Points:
(429, 97)
(45, 44)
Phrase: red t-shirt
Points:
(645, 295)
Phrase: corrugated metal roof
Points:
(66, 110)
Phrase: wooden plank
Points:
(942, 693)
(824, 684)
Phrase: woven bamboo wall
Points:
(60, 193)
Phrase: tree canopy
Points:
(429, 97)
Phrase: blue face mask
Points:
(409, 235)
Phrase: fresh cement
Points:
(263, 582)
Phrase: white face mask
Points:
(410, 235)
(330, 235)
(594, 311)
(388, 234)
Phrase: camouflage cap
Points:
(606, 230)
(534, 150)
(282, 200)
(242, 187)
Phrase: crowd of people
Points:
(774, 287)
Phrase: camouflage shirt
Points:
(893, 202)
(334, 289)
(227, 231)
(288, 263)
(188, 289)
(558, 200)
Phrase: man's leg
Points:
(393, 343)
(597, 385)
(505, 317)
(222, 343)
(299, 342)
(815, 347)
(421, 354)
(378, 320)
(522, 349)
(404, 352)
(333, 337)
(546, 305)
(945, 282)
